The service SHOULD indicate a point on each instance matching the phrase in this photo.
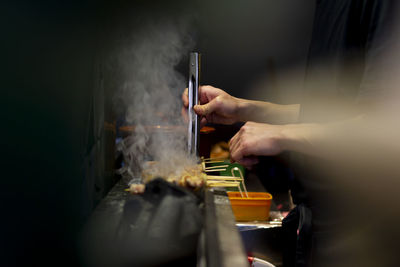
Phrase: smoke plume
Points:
(150, 94)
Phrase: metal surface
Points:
(256, 225)
(223, 244)
(220, 243)
(193, 94)
(126, 230)
(265, 243)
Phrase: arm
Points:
(260, 139)
(267, 112)
(216, 106)
(321, 140)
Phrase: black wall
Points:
(55, 100)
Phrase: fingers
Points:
(209, 108)
(236, 142)
(241, 148)
(185, 101)
(208, 92)
(238, 153)
(185, 116)
(203, 122)
(185, 98)
(184, 111)
(203, 91)
(237, 149)
(233, 143)
(242, 156)
(240, 145)
(249, 162)
(202, 110)
(203, 94)
(212, 106)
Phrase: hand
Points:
(255, 139)
(216, 106)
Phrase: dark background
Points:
(57, 116)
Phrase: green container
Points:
(228, 172)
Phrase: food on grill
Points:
(136, 188)
(192, 177)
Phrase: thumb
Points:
(205, 109)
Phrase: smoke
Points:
(150, 95)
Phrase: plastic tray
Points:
(254, 208)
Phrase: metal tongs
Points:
(193, 94)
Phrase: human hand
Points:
(256, 139)
(216, 106)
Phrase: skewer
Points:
(242, 178)
(218, 180)
(221, 177)
(212, 160)
(222, 184)
(205, 159)
(215, 170)
(212, 177)
(216, 167)
(240, 190)
(226, 184)
(224, 179)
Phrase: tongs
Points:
(193, 94)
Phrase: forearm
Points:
(301, 138)
(266, 112)
(322, 140)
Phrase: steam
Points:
(150, 95)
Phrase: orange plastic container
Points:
(254, 208)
